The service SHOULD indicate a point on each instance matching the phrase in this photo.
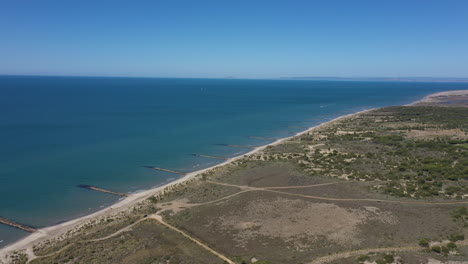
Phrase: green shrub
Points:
(452, 190)
(424, 242)
(455, 238)
(153, 199)
(363, 258)
(445, 250)
(436, 249)
(460, 215)
(451, 246)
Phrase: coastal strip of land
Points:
(133, 199)
(450, 98)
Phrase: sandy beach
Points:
(133, 199)
(443, 97)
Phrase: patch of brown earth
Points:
(301, 222)
(435, 261)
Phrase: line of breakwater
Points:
(17, 225)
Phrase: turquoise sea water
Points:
(58, 132)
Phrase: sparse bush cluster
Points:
(404, 166)
(461, 215)
(379, 259)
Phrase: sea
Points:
(59, 132)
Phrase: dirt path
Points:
(366, 199)
(32, 256)
(157, 217)
(356, 253)
(160, 220)
(252, 188)
(125, 229)
(271, 189)
(305, 186)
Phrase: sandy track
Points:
(269, 189)
(356, 253)
(198, 242)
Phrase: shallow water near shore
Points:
(58, 132)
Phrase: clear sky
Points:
(219, 38)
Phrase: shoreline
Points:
(49, 232)
(134, 198)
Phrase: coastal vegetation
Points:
(412, 152)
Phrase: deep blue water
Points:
(57, 132)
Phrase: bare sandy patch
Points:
(301, 222)
(432, 133)
(176, 205)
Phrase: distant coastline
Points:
(441, 97)
(380, 79)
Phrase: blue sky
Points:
(251, 39)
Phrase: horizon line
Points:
(297, 78)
